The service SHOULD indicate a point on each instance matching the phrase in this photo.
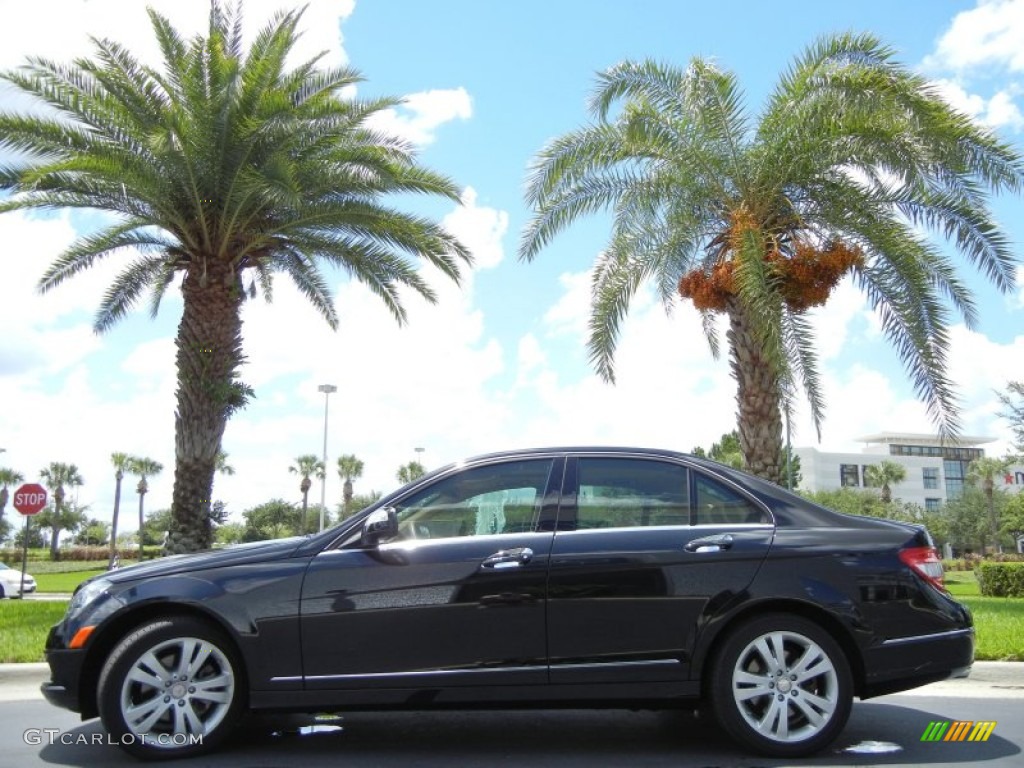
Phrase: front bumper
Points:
(62, 689)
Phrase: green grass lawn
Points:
(26, 624)
(63, 582)
(998, 621)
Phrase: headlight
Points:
(86, 594)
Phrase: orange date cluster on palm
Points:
(805, 276)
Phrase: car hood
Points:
(240, 553)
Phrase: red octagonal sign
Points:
(30, 498)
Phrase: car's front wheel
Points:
(782, 686)
(172, 688)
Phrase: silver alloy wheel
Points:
(785, 686)
(176, 691)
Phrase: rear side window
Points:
(717, 503)
(630, 493)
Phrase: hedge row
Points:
(1001, 579)
(12, 555)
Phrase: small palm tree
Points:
(304, 466)
(7, 477)
(220, 169)
(884, 475)
(758, 220)
(349, 468)
(122, 464)
(409, 472)
(56, 476)
(145, 468)
(983, 473)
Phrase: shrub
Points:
(1001, 579)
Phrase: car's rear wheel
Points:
(781, 685)
(172, 688)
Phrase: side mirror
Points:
(381, 524)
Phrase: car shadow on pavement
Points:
(877, 734)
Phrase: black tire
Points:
(186, 685)
(781, 710)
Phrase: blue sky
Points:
(500, 362)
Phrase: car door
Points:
(645, 549)
(456, 599)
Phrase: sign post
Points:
(29, 499)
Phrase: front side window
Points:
(630, 493)
(495, 499)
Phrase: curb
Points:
(23, 672)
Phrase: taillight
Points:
(926, 563)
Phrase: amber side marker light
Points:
(80, 637)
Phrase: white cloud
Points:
(982, 52)
(421, 114)
(989, 35)
(480, 229)
(998, 111)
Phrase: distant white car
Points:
(10, 581)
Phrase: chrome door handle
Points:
(508, 558)
(709, 544)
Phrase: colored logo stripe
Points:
(982, 730)
(958, 730)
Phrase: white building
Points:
(936, 470)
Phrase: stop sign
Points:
(30, 498)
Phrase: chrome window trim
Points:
(716, 526)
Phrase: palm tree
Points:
(350, 468)
(56, 476)
(983, 472)
(7, 477)
(221, 464)
(306, 465)
(852, 155)
(145, 468)
(884, 475)
(226, 167)
(409, 472)
(122, 464)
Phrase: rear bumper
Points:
(908, 662)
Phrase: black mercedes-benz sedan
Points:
(601, 577)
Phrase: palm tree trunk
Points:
(113, 522)
(305, 504)
(757, 397)
(346, 493)
(990, 497)
(209, 352)
(4, 497)
(58, 508)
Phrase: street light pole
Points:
(327, 389)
